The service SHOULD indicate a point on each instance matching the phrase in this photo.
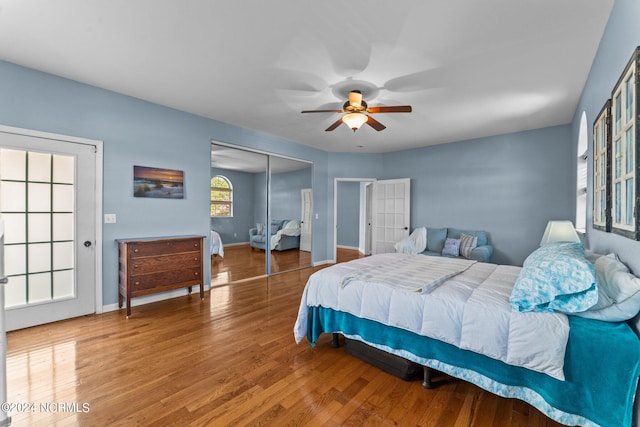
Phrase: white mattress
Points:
(470, 310)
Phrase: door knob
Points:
(87, 243)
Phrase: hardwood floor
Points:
(228, 360)
(241, 262)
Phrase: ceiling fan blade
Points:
(375, 124)
(334, 125)
(390, 109)
(321, 111)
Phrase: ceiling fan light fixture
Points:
(355, 98)
(354, 120)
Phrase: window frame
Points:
(625, 171)
(602, 169)
(228, 202)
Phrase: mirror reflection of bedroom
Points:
(245, 187)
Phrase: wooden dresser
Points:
(159, 264)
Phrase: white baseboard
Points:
(235, 244)
(355, 248)
(161, 296)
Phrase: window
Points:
(581, 178)
(221, 197)
(616, 167)
(602, 169)
(623, 163)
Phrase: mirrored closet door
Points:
(260, 214)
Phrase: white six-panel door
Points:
(391, 213)
(48, 204)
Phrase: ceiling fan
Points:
(354, 110)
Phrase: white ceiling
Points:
(469, 68)
(225, 157)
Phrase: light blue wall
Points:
(286, 194)
(236, 229)
(508, 185)
(260, 198)
(348, 165)
(348, 213)
(621, 37)
(136, 132)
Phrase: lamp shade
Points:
(559, 231)
(354, 120)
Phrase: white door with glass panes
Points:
(391, 213)
(48, 204)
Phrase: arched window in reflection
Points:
(221, 197)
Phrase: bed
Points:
(215, 244)
(578, 368)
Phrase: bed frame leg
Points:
(426, 382)
(335, 341)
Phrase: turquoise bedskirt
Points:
(602, 365)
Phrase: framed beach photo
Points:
(158, 183)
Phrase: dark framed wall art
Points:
(158, 183)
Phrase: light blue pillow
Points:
(618, 290)
(435, 239)
(275, 227)
(556, 277)
(451, 247)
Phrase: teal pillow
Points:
(435, 239)
(556, 277)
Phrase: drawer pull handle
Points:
(195, 274)
(136, 250)
(137, 283)
(135, 265)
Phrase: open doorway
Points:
(352, 203)
(373, 213)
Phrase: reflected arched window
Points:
(221, 197)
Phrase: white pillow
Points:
(618, 290)
(294, 223)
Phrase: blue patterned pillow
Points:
(451, 247)
(556, 277)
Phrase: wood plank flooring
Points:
(241, 262)
(228, 360)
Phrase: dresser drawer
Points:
(163, 247)
(175, 279)
(154, 264)
(159, 264)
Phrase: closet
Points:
(265, 188)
